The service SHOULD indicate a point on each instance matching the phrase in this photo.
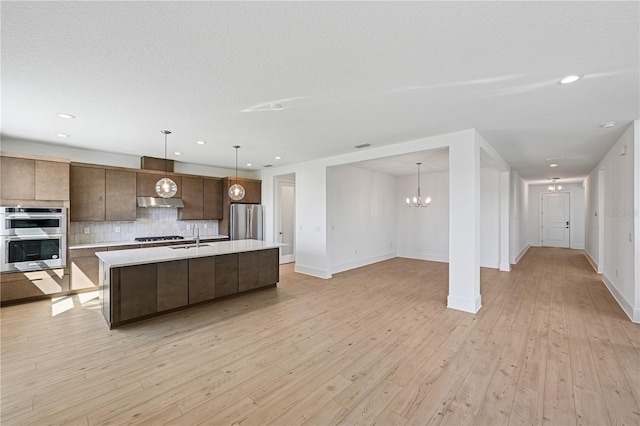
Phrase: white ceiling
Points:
(345, 73)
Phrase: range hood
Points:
(159, 202)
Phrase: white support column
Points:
(464, 226)
(505, 179)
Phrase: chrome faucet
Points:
(196, 234)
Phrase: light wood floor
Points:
(374, 345)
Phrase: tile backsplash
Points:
(150, 223)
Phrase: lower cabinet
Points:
(202, 279)
(17, 286)
(248, 271)
(134, 291)
(173, 284)
(226, 274)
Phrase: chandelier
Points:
(417, 201)
(554, 187)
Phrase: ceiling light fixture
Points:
(236, 191)
(553, 165)
(201, 142)
(277, 157)
(65, 115)
(177, 153)
(417, 201)
(249, 164)
(570, 79)
(62, 135)
(608, 125)
(165, 187)
(554, 187)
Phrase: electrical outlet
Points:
(205, 226)
(117, 229)
(86, 230)
(188, 226)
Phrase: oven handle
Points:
(33, 237)
(33, 216)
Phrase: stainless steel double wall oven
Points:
(33, 238)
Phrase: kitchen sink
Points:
(188, 246)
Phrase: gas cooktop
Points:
(160, 238)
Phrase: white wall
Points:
(620, 258)
(576, 208)
(361, 216)
(423, 233)
(518, 223)
(110, 159)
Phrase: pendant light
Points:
(554, 187)
(165, 187)
(236, 192)
(417, 201)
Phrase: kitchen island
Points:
(142, 283)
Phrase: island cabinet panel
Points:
(212, 199)
(120, 195)
(51, 180)
(146, 184)
(134, 291)
(202, 279)
(18, 178)
(192, 197)
(84, 268)
(269, 261)
(248, 271)
(173, 284)
(226, 274)
(87, 194)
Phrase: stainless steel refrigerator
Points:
(246, 222)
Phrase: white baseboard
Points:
(515, 259)
(361, 262)
(464, 304)
(314, 272)
(425, 256)
(577, 246)
(492, 265)
(633, 314)
(593, 263)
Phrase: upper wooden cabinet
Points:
(87, 194)
(193, 198)
(212, 198)
(99, 194)
(120, 195)
(252, 190)
(32, 179)
(147, 183)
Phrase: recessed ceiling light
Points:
(201, 142)
(553, 165)
(570, 79)
(177, 153)
(249, 164)
(609, 124)
(278, 157)
(64, 115)
(62, 135)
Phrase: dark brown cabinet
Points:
(32, 285)
(192, 197)
(120, 195)
(87, 194)
(226, 274)
(29, 179)
(202, 279)
(146, 184)
(248, 271)
(269, 261)
(84, 268)
(134, 291)
(173, 284)
(18, 178)
(212, 199)
(51, 180)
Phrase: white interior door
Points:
(286, 220)
(555, 220)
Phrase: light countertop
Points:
(142, 256)
(187, 240)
